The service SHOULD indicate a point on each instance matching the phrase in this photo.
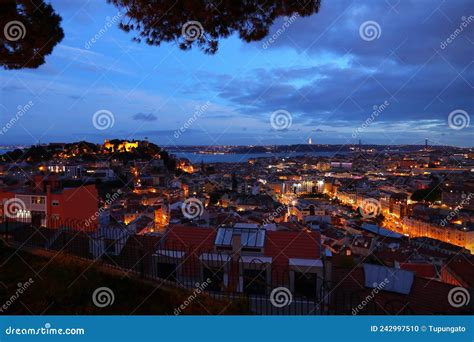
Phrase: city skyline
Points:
(320, 71)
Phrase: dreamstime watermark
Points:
(377, 288)
(458, 119)
(280, 297)
(46, 330)
(455, 212)
(108, 24)
(14, 30)
(21, 110)
(464, 24)
(192, 30)
(197, 291)
(110, 199)
(197, 113)
(103, 296)
(377, 110)
(103, 119)
(192, 208)
(276, 213)
(19, 291)
(12, 206)
(370, 30)
(370, 208)
(286, 24)
(459, 297)
(281, 120)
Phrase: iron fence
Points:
(266, 288)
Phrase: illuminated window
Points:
(37, 200)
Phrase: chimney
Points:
(327, 276)
(327, 263)
(235, 269)
(236, 246)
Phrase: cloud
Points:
(145, 117)
(319, 70)
(338, 77)
(158, 132)
(349, 91)
(410, 31)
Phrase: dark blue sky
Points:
(323, 70)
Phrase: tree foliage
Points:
(204, 22)
(30, 30)
(431, 195)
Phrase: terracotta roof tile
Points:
(421, 270)
(188, 237)
(284, 245)
(426, 297)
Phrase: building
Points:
(236, 259)
(72, 171)
(46, 203)
(308, 211)
(458, 196)
(460, 236)
(122, 146)
(105, 174)
(394, 204)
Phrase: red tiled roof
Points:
(389, 256)
(284, 245)
(280, 245)
(426, 297)
(463, 268)
(421, 270)
(291, 226)
(186, 237)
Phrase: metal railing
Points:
(265, 288)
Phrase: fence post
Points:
(142, 263)
(5, 219)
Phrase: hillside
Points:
(64, 286)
